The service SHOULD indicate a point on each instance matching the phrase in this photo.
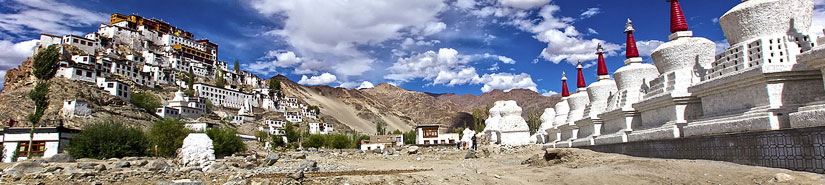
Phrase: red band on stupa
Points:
(677, 18)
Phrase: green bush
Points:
(315, 141)
(291, 133)
(109, 140)
(145, 100)
(262, 136)
(167, 134)
(225, 141)
(356, 139)
(277, 141)
(409, 137)
(339, 141)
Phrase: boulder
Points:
(87, 165)
(24, 168)
(271, 159)
(215, 167)
(471, 154)
(299, 155)
(308, 165)
(61, 158)
(412, 150)
(156, 165)
(139, 163)
(297, 175)
(782, 177)
(122, 164)
(100, 168)
(197, 149)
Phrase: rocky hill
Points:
(530, 101)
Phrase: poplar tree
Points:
(44, 68)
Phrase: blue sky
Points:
(457, 46)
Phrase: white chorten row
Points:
(769, 79)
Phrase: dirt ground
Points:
(439, 165)
(504, 166)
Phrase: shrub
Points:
(356, 139)
(315, 141)
(262, 136)
(409, 137)
(339, 141)
(167, 134)
(109, 140)
(146, 101)
(225, 141)
(291, 133)
(277, 141)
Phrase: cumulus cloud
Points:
(507, 82)
(322, 79)
(269, 64)
(46, 16)
(366, 85)
(465, 4)
(13, 54)
(548, 93)
(564, 42)
(451, 78)
(818, 23)
(646, 47)
(427, 65)
(721, 46)
(333, 31)
(590, 12)
(524, 4)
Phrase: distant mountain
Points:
(402, 109)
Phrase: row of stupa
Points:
(769, 79)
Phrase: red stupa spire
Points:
(631, 50)
(580, 81)
(677, 18)
(602, 70)
(564, 91)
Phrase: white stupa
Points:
(513, 128)
(547, 118)
(492, 128)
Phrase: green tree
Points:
(533, 121)
(262, 136)
(145, 100)
(314, 108)
(167, 134)
(291, 133)
(225, 141)
(409, 137)
(237, 67)
(315, 141)
(219, 80)
(339, 141)
(274, 84)
(109, 140)
(357, 138)
(396, 132)
(44, 68)
(381, 128)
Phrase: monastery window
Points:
(38, 148)
(79, 72)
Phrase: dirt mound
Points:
(571, 158)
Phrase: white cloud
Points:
(721, 46)
(494, 67)
(548, 93)
(273, 60)
(592, 31)
(715, 20)
(506, 60)
(564, 42)
(333, 31)
(427, 65)
(507, 82)
(465, 4)
(15, 53)
(366, 85)
(451, 78)
(46, 16)
(322, 79)
(818, 23)
(590, 12)
(524, 4)
(646, 47)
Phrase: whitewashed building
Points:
(381, 142)
(115, 88)
(221, 96)
(183, 107)
(320, 128)
(47, 142)
(429, 135)
(75, 107)
(293, 117)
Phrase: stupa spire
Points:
(631, 50)
(677, 18)
(580, 80)
(602, 70)
(564, 91)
